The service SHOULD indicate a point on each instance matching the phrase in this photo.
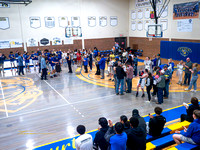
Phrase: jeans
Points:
(98, 69)
(135, 70)
(148, 92)
(90, 64)
(44, 73)
(102, 73)
(39, 67)
(166, 90)
(129, 84)
(160, 95)
(21, 70)
(187, 77)
(155, 90)
(86, 69)
(193, 82)
(120, 81)
(70, 66)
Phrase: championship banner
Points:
(63, 21)
(186, 10)
(145, 3)
(49, 22)
(4, 23)
(180, 50)
(91, 21)
(35, 22)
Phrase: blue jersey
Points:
(85, 62)
(26, 58)
(51, 61)
(12, 57)
(56, 59)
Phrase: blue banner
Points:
(180, 50)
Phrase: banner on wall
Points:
(49, 22)
(186, 10)
(180, 50)
(133, 14)
(113, 21)
(63, 21)
(165, 12)
(4, 23)
(4, 44)
(164, 23)
(35, 22)
(147, 13)
(76, 21)
(103, 21)
(185, 25)
(15, 43)
(44, 42)
(146, 24)
(140, 25)
(140, 13)
(145, 3)
(68, 41)
(56, 41)
(32, 42)
(91, 21)
(4, 5)
(133, 25)
(73, 32)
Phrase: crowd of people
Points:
(131, 134)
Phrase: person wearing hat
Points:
(158, 61)
(142, 123)
(168, 76)
(161, 86)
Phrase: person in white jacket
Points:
(180, 72)
(148, 64)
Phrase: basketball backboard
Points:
(155, 31)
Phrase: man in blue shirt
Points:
(16, 57)
(20, 62)
(44, 68)
(2, 58)
(85, 63)
(135, 64)
(117, 140)
(102, 63)
(12, 60)
(192, 134)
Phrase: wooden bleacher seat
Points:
(185, 146)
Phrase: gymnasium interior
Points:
(40, 114)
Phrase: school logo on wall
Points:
(184, 51)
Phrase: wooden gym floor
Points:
(35, 112)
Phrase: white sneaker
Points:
(193, 91)
(186, 89)
(147, 101)
(156, 98)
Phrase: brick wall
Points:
(101, 44)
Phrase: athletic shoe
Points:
(187, 89)
(113, 80)
(147, 101)
(117, 93)
(109, 79)
(165, 97)
(143, 95)
(193, 91)
(136, 94)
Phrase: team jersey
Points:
(51, 61)
(12, 57)
(26, 58)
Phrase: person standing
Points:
(161, 86)
(102, 66)
(12, 60)
(154, 59)
(193, 82)
(39, 60)
(158, 61)
(2, 58)
(78, 58)
(148, 64)
(69, 62)
(20, 62)
(180, 72)
(149, 84)
(85, 63)
(120, 78)
(129, 77)
(135, 64)
(84, 141)
(90, 60)
(168, 76)
(43, 67)
(188, 66)
(97, 59)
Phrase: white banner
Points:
(113, 21)
(145, 3)
(35, 22)
(32, 42)
(68, 41)
(63, 21)
(164, 23)
(146, 24)
(16, 43)
(56, 41)
(75, 21)
(147, 13)
(4, 44)
(133, 25)
(4, 23)
(165, 12)
(49, 22)
(140, 25)
(133, 14)
(185, 25)
(103, 21)
(92, 21)
(140, 13)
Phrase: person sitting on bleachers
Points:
(157, 123)
(142, 123)
(190, 109)
(84, 141)
(192, 134)
(136, 136)
(99, 140)
(125, 122)
(116, 137)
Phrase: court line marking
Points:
(4, 101)
(44, 109)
